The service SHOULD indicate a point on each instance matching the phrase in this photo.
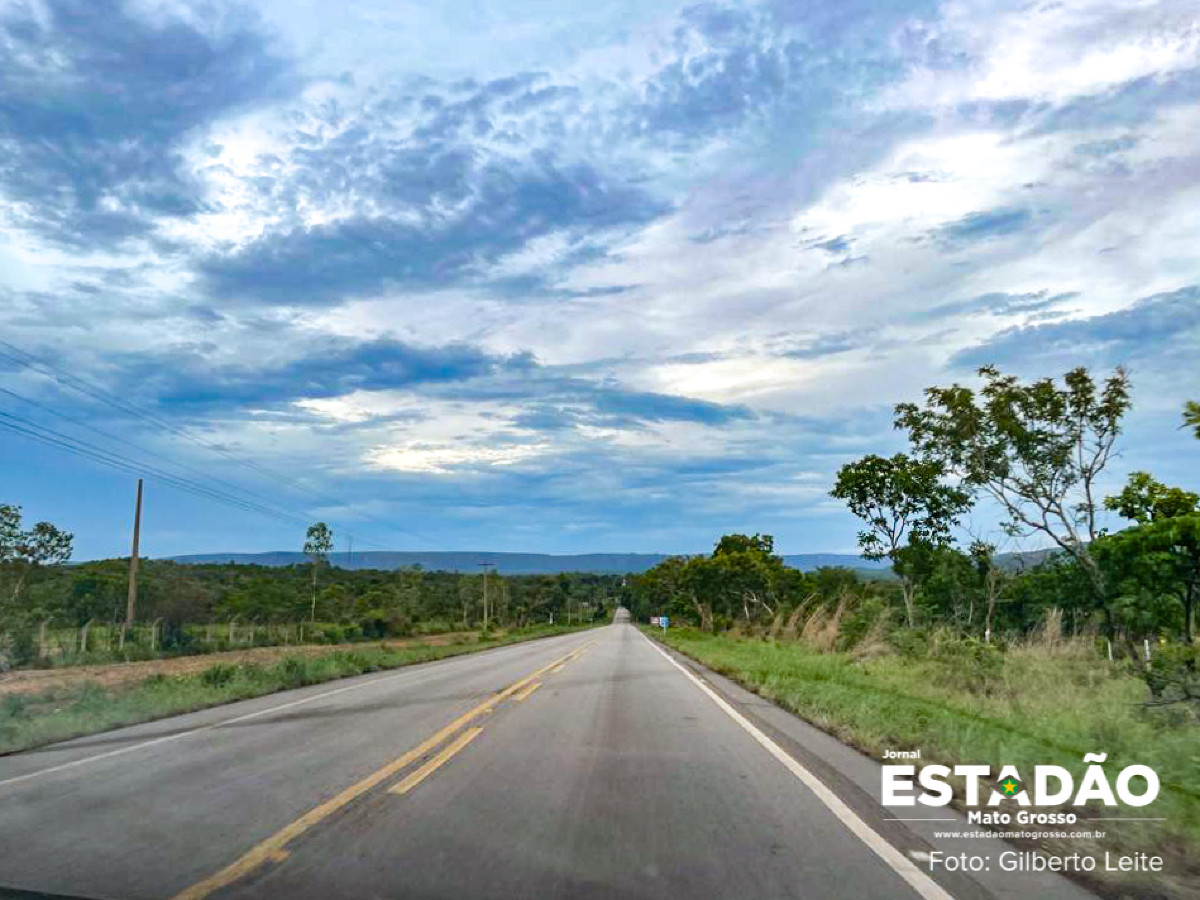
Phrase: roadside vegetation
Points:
(54, 614)
(32, 719)
(973, 654)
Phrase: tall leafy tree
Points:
(1037, 449)
(1163, 549)
(318, 544)
(906, 506)
(1145, 499)
(22, 551)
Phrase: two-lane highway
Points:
(585, 765)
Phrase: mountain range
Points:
(508, 563)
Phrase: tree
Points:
(1191, 416)
(1145, 499)
(905, 505)
(1037, 449)
(1165, 544)
(992, 578)
(318, 544)
(41, 545)
(744, 570)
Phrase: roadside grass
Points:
(32, 720)
(1039, 703)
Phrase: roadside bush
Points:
(219, 675)
(912, 643)
(1173, 675)
(293, 671)
(18, 647)
(14, 706)
(175, 638)
(968, 662)
(864, 617)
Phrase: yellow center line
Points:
(271, 848)
(411, 780)
(525, 693)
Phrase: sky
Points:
(565, 277)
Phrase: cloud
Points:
(1148, 329)
(507, 207)
(97, 101)
(186, 378)
(998, 303)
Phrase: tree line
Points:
(1036, 452)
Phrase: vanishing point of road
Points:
(586, 765)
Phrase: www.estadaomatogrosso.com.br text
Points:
(1033, 835)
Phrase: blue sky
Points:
(571, 276)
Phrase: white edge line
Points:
(50, 770)
(902, 865)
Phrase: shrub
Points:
(14, 707)
(294, 671)
(1173, 675)
(18, 647)
(219, 675)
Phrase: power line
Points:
(95, 392)
(112, 437)
(48, 436)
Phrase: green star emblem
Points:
(1011, 787)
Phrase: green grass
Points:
(1031, 705)
(31, 720)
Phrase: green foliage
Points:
(219, 675)
(1036, 449)
(1191, 416)
(352, 605)
(1173, 675)
(902, 500)
(1145, 499)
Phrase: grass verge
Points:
(1026, 707)
(32, 720)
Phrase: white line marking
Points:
(904, 867)
(61, 767)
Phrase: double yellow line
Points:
(273, 849)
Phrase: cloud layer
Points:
(622, 280)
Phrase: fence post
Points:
(1109, 642)
(83, 635)
(231, 621)
(154, 635)
(1146, 648)
(42, 637)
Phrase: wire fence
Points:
(61, 644)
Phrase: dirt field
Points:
(28, 681)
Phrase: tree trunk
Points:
(906, 586)
(313, 614)
(1189, 600)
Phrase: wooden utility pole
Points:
(131, 603)
(485, 609)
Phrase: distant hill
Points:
(508, 563)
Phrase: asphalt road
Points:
(588, 765)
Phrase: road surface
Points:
(586, 765)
